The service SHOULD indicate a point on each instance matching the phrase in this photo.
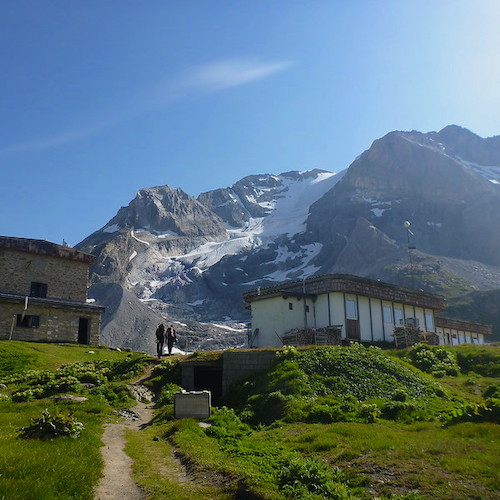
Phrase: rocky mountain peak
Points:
(164, 209)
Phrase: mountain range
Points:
(417, 209)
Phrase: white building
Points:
(362, 309)
(456, 331)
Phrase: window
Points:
(429, 322)
(307, 309)
(28, 321)
(351, 311)
(387, 311)
(38, 289)
(398, 316)
(290, 306)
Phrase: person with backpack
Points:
(160, 339)
(171, 338)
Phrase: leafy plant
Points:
(309, 478)
(435, 360)
(482, 411)
(51, 426)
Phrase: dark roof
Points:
(17, 298)
(42, 247)
(349, 284)
(462, 324)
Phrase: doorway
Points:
(208, 378)
(353, 332)
(84, 331)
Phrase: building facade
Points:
(360, 309)
(456, 331)
(43, 293)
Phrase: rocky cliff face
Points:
(452, 201)
(190, 260)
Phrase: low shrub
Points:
(369, 412)
(399, 410)
(482, 360)
(309, 478)
(434, 360)
(226, 425)
(492, 391)
(167, 394)
(482, 411)
(51, 426)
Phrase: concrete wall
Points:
(240, 364)
(66, 279)
(192, 404)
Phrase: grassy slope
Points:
(383, 459)
(64, 467)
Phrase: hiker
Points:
(160, 339)
(171, 338)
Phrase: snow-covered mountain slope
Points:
(150, 249)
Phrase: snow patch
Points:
(491, 173)
(111, 229)
(377, 212)
(137, 239)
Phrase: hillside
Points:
(340, 423)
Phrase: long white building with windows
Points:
(360, 309)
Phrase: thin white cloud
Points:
(52, 141)
(231, 73)
(202, 79)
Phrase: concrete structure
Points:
(194, 404)
(217, 375)
(456, 331)
(364, 310)
(43, 293)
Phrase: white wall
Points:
(365, 323)
(273, 318)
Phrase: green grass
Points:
(18, 356)
(57, 469)
(62, 468)
(447, 463)
(326, 450)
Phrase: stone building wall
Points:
(66, 278)
(55, 324)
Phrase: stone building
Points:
(43, 293)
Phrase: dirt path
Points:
(117, 482)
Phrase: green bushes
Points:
(73, 378)
(50, 426)
(309, 478)
(482, 411)
(434, 360)
(330, 384)
(484, 361)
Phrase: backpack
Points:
(160, 333)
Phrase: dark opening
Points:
(209, 379)
(353, 332)
(38, 289)
(28, 321)
(84, 331)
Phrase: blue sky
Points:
(101, 98)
